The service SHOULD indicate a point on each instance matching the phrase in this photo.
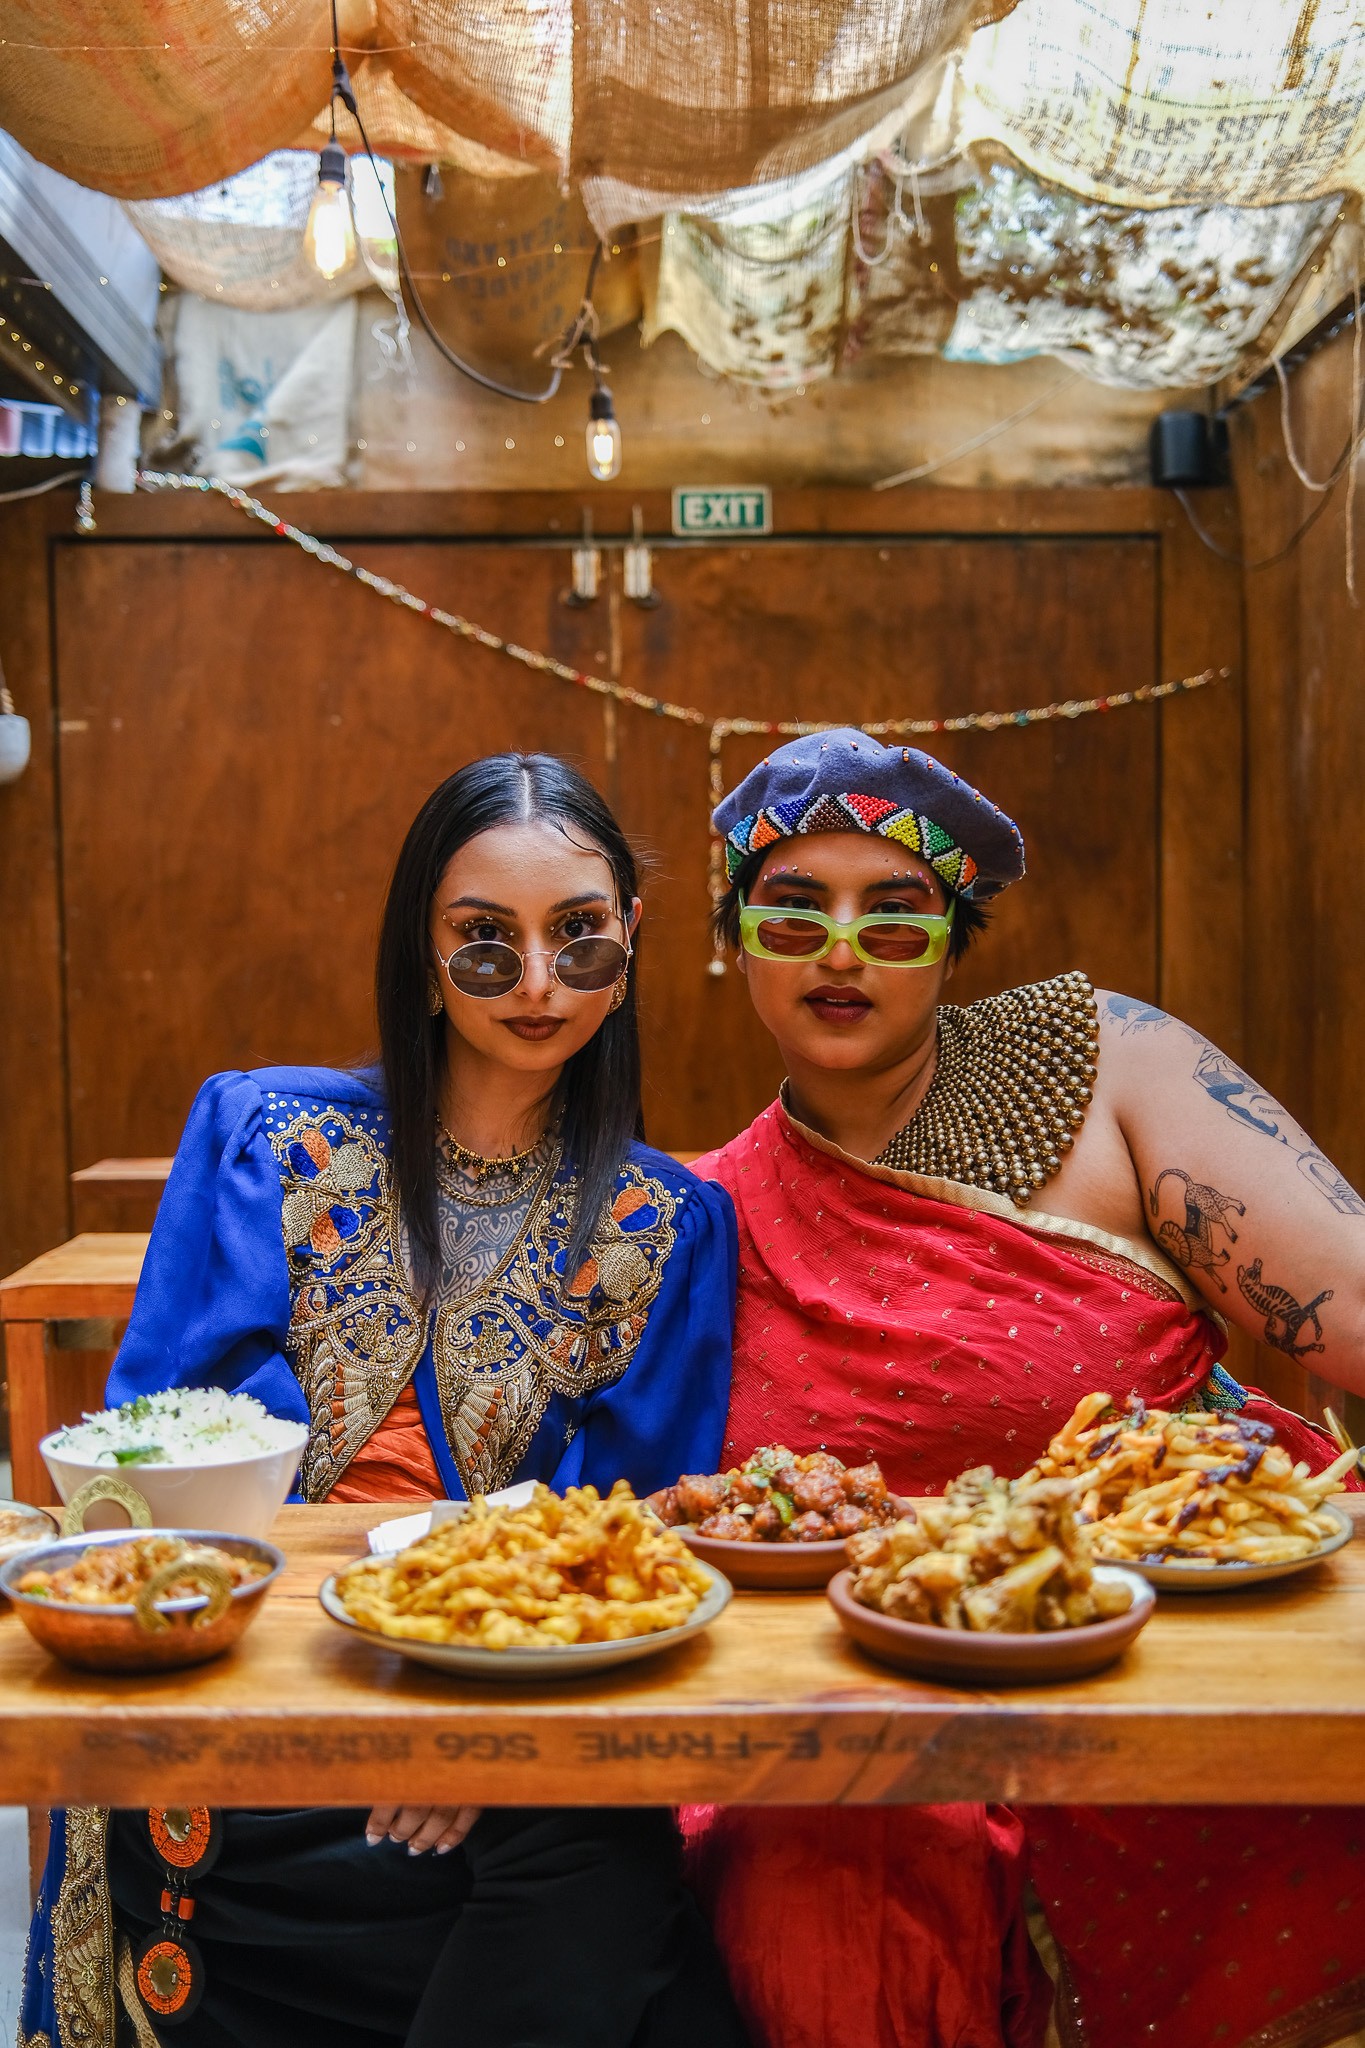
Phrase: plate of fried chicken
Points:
(779, 1520)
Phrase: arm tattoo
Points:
(1223, 1080)
(1246, 1103)
(1131, 1015)
(1284, 1317)
(1190, 1243)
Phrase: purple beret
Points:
(844, 781)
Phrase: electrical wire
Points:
(911, 476)
(68, 476)
(1262, 561)
(581, 331)
(1344, 463)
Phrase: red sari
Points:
(935, 1327)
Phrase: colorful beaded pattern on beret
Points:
(850, 812)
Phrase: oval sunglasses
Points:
(880, 940)
(487, 968)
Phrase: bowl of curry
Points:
(154, 1601)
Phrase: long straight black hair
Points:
(597, 1100)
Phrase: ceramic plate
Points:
(565, 1660)
(23, 1528)
(1189, 1575)
(771, 1567)
(966, 1657)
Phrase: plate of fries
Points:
(562, 1585)
(1196, 1502)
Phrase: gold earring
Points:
(618, 994)
(434, 1000)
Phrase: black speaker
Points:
(1187, 450)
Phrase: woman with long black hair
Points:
(459, 1270)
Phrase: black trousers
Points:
(549, 1928)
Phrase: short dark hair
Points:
(598, 1098)
(969, 919)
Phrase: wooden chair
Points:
(117, 1194)
(63, 1315)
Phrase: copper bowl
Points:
(958, 1656)
(768, 1567)
(153, 1635)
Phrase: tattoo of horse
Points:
(1249, 1105)
(1191, 1244)
(1284, 1317)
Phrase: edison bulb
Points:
(329, 238)
(604, 437)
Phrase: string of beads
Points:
(718, 730)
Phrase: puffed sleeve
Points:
(213, 1303)
(666, 1414)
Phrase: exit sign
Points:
(723, 510)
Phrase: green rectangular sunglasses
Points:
(880, 940)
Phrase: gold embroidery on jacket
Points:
(356, 1334)
(502, 1351)
(82, 1930)
(130, 1998)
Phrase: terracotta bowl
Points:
(966, 1657)
(770, 1567)
(115, 1638)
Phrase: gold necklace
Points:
(504, 1175)
(1013, 1078)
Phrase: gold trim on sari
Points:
(1133, 1252)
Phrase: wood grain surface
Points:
(61, 1315)
(1305, 764)
(118, 1194)
(94, 1274)
(259, 795)
(1255, 1695)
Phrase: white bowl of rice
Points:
(201, 1459)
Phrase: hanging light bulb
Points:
(329, 238)
(604, 437)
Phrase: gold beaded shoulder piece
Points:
(1014, 1078)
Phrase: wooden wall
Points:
(1305, 753)
(229, 742)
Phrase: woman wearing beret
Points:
(952, 1224)
(459, 1271)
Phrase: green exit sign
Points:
(723, 510)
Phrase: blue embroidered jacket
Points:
(276, 1269)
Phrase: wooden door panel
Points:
(245, 741)
(862, 631)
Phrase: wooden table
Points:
(1255, 1696)
(118, 1194)
(61, 1315)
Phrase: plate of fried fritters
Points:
(994, 1583)
(560, 1587)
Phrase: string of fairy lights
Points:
(329, 242)
(718, 729)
